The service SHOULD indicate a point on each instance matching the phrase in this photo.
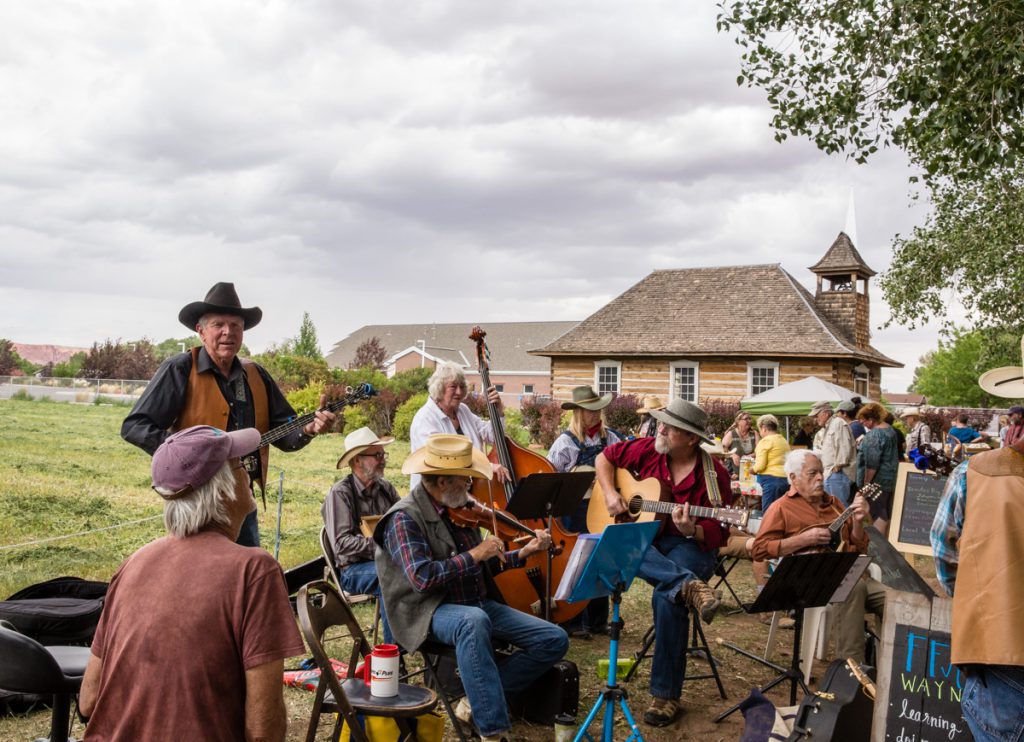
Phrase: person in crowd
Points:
(445, 412)
(769, 455)
(684, 554)
(648, 427)
(436, 581)
(211, 385)
(901, 438)
(838, 452)
(799, 523)
(739, 440)
(578, 446)
(804, 437)
(960, 434)
(977, 525)
(856, 426)
(878, 460)
(176, 657)
(920, 435)
(1014, 426)
(363, 493)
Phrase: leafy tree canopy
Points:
(949, 376)
(9, 358)
(306, 344)
(370, 354)
(117, 360)
(172, 346)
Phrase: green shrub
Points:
(22, 395)
(306, 399)
(355, 417)
(403, 416)
(514, 428)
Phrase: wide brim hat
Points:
(448, 455)
(651, 403)
(686, 416)
(1006, 381)
(585, 398)
(910, 412)
(822, 406)
(358, 441)
(221, 299)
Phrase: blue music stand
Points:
(610, 571)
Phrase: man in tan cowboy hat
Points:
(364, 492)
(578, 446)
(838, 452)
(210, 385)
(685, 551)
(648, 427)
(436, 581)
(920, 433)
(977, 526)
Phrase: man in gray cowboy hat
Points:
(211, 385)
(838, 452)
(684, 554)
(364, 492)
(435, 577)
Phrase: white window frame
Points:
(862, 373)
(751, 365)
(528, 388)
(673, 367)
(608, 363)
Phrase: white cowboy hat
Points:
(358, 441)
(910, 412)
(1006, 381)
(450, 455)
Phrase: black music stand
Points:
(549, 496)
(800, 581)
(611, 568)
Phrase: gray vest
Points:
(409, 612)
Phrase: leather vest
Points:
(988, 598)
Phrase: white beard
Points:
(455, 497)
(661, 444)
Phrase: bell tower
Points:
(845, 298)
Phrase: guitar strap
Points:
(710, 479)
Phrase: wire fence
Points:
(82, 391)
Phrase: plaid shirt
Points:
(947, 527)
(459, 576)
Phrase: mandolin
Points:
(869, 492)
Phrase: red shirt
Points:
(643, 462)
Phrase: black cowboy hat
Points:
(221, 299)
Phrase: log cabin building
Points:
(727, 333)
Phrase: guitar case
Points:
(555, 692)
(841, 710)
(61, 611)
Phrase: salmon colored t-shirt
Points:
(183, 620)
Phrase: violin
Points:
(503, 525)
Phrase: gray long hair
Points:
(187, 515)
(443, 375)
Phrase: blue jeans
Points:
(668, 565)
(772, 488)
(992, 701)
(250, 533)
(838, 485)
(470, 629)
(361, 578)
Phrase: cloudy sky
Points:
(378, 161)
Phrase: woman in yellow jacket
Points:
(769, 456)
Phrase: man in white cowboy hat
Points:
(920, 434)
(211, 385)
(978, 525)
(648, 427)
(685, 552)
(838, 452)
(195, 629)
(435, 577)
(578, 446)
(364, 492)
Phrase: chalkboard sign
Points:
(913, 509)
(919, 691)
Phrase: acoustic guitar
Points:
(643, 503)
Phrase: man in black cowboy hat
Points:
(684, 553)
(210, 385)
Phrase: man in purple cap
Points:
(176, 657)
(211, 385)
(1015, 430)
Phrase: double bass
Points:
(530, 588)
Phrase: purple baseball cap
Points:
(1016, 410)
(190, 458)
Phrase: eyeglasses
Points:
(380, 455)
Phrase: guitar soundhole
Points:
(635, 507)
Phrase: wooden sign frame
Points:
(896, 516)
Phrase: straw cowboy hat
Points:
(358, 441)
(448, 455)
(221, 299)
(910, 412)
(585, 398)
(686, 416)
(651, 403)
(1006, 381)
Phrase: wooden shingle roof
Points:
(745, 310)
(842, 257)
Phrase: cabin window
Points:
(684, 375)
(861, 377)
(607, 376)
(762, 376)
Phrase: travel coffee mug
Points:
(383, 664)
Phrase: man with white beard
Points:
(436, 579)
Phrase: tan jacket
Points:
(838, 449)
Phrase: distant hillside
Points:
(43, 354)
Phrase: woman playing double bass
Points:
(578, 446)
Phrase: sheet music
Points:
(585, 545)
(846, 586)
